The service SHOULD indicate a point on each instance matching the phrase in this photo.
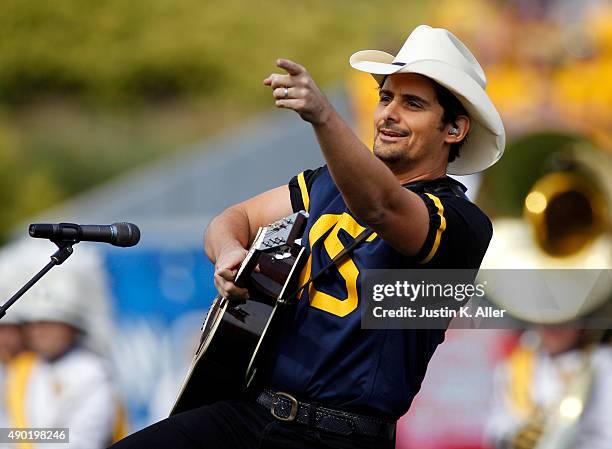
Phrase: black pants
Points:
(240, 425)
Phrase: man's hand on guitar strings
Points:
(226, 268)
(298, 91)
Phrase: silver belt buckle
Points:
(276, 400)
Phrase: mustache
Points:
(393, 128)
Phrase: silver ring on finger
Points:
(286, 95)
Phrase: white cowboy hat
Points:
(438, 54)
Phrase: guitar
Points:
(234, 332)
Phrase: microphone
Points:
(118, 234)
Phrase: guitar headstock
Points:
(277, 238)
(283, 232)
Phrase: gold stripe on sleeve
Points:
(440, 230)
(304, 191)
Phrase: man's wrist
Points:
(326, 117)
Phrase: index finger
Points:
(227, 274)
(293, 68)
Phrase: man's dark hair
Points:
(452, 108)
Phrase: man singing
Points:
(350, 384)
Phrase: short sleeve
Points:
(459, 233)
(300, 187)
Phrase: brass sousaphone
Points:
(562, 244)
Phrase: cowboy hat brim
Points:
(486, 138)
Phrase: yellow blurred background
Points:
(90, 89)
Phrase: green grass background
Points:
(89, 89)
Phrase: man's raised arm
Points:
(368, 186)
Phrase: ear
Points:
(456, 131)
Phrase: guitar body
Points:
(223, 357)
(234, 333)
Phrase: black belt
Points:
(285, 407)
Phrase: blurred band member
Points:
(60, 383)
(11, 345)
(11, 339)
(554, 391)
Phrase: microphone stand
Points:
(59, 257)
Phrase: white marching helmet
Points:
(58, 299)
(75, 293)
(439, 55)
(11, 318)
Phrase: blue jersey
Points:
(321, 353)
